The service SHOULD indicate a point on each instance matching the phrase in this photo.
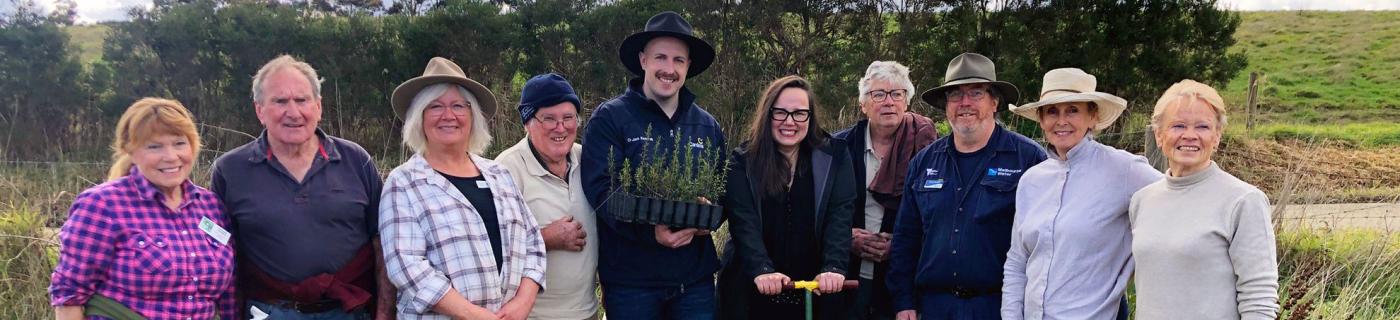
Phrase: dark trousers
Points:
(690, 302)
(861, 304)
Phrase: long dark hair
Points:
(761, 155)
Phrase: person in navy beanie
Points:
(651, 271)
(544, 165)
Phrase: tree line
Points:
(204, 53)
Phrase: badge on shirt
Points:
(214, 230)
(480, 184)
(1002, 172)
(933, 184)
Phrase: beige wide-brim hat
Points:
(1074, 85)
(441, 70)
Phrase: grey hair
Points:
(888, 71)
(415, 139)
(277, 64)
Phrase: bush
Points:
(28, 254)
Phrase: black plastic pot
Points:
(645, 210)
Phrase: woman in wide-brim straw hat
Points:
(458, 239)
(1203, 240)
(1071, 249)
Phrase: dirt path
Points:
(1379, 216)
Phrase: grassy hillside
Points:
(1321, 67)
(88, 40)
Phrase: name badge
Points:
(481, 184)
(214, 230)
(933, 184)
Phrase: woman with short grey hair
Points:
(1202, 238)
(459, 241)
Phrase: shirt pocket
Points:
(149, 252)
(218, 260)
(930, 195)
(997, 203)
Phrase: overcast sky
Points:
(107, 10)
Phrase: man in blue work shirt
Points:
(954, 223)
(652, 271)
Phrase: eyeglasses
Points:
(461, 110)
(881, 95)
(956, 95)
(551, 123)
(782, 115)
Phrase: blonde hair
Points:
(1185, 92)
(413, 136)
(893, 72)
(279, 63)
(143, 121)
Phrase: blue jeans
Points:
(690, 302)
(280, 313)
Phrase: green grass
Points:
(1339, 275)
(1368, 134)
(87, 39)
(27, 257)
(1320, 67)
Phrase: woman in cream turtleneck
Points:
(1202, 238)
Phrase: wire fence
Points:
(1310, 170)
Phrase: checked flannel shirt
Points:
(435, 241)
(120, 241)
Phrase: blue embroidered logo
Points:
(1002, 172)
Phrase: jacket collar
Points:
(1082, 152)
(999, 142)
(635, 93)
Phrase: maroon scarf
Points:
(914, 133)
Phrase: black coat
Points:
(855, 149)
(745, 254)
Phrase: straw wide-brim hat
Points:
(1073, 85)
(440, 70)
(970, 68)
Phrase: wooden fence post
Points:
(1249, 106)
(1151, 151)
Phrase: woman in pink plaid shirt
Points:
(148, 239)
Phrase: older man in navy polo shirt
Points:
(304, 207)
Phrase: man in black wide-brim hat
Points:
(652, 271)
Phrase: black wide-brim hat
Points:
(666, 24)
(971, 68)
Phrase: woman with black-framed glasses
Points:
(791, 190)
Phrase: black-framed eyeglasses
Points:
(956, 95)
(782, 115)
(881, 95)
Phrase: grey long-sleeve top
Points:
(1071, 251)
(1204, 247)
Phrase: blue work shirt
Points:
(953, 235)
(628, 254)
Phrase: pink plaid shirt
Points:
(121, 242)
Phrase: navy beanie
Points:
(545, 91)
